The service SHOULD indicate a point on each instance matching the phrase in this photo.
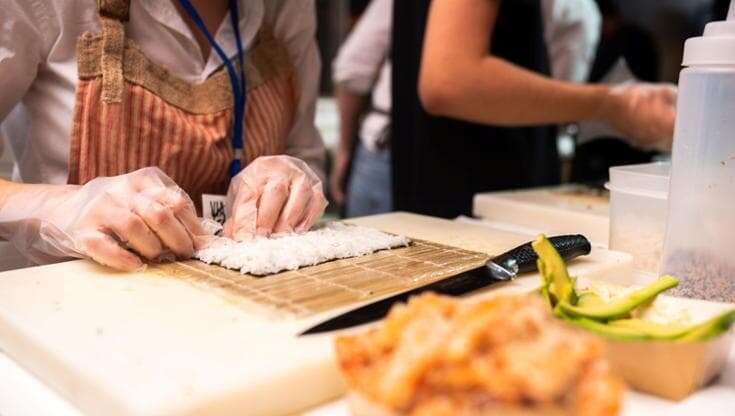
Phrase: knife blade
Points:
(498, 269)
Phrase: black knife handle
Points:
(524, 258)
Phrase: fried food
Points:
(437, 355)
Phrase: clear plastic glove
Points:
(112, 220)
(644, 113)
(273, 194)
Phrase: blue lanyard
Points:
(239, 90)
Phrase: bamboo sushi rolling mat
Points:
(310, 290)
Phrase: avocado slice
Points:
(589, 298)
(652, 329)
(554, 272)
(639, 330)
(620, 333)
(621, 307)
(711, 328)
(545, 295)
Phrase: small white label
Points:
(213, 207)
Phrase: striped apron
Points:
(131, 113)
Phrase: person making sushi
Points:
(122, 113)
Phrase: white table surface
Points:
(21, 394)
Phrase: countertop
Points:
(22, 394)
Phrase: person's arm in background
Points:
(354, 72)
(468, 83)
(350, 106)
(24, 43)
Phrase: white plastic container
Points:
(638, 203)
(700, 236)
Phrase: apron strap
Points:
(113, 15)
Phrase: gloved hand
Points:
(644, 113)
(111, 220)
(273, 194)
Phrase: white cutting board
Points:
(559, 210)
(141, 344)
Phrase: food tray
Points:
(672, 370)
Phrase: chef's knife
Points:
(499, 269)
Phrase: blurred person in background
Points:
(484, 80)
(357, 8)
(361, 176)
(622, 39)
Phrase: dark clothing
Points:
(593, 160)
(635, 45)
(440, 163)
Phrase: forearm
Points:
(20, 203)
(494, 91)
(33, 196)
(7, 189)
(350, 106)
(470, 84)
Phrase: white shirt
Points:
(38, 69)
(571, 33)
(362, 65)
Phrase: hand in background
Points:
(644, 113)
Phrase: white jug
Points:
(700, 237)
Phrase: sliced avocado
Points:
(652, 329)
(619, 333)
(639, 330)
(545, 284)
(711, 328)
(589, 298)
(621, 307)
(544, 290)
(554, 271)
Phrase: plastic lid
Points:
(716, 46)
(649, 179)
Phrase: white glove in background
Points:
(273, 194)
(110, 220)
(644, 113)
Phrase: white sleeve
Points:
(361, 56)
(571, 32)
(23, 47)
(296, 26)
